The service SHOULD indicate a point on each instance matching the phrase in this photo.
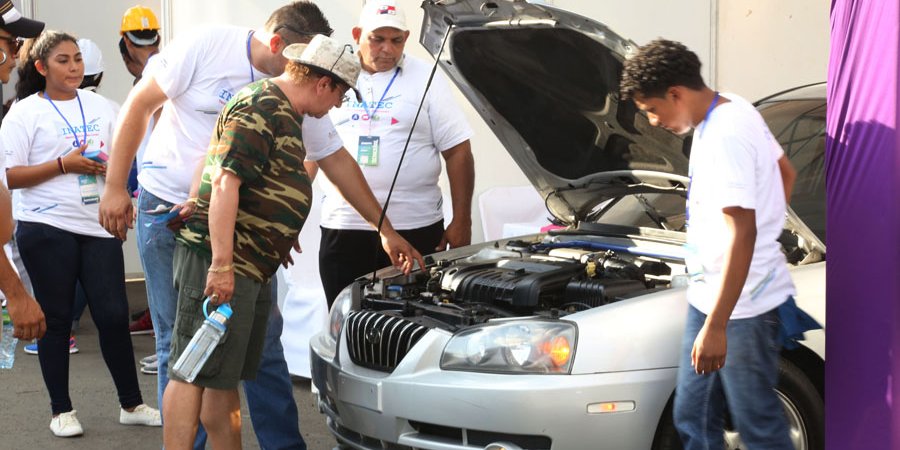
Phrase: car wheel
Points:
(802, 403)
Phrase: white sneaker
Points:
(66, 425)
(147, 360)
(142, 415)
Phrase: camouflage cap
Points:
(326, 55)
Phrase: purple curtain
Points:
(863, 176)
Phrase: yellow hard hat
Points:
(139, 18)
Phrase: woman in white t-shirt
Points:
(56, 138)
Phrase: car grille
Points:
(379, 341)
(460, 436)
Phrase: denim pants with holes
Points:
(745, 386)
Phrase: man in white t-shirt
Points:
(27, 316)
(192, 79)
(375, 131)
(740, 182)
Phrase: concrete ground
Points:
(25, 405)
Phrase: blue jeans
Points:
(745, 385)
(270, 398)
(56, 259)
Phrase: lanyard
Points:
(83, 122)
(249, 60)
(708, 112)
(377, 105)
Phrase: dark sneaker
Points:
(144, 325)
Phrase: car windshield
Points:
(797, 124)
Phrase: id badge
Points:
(90, 191)
(368, 150)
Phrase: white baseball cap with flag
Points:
(382, 13)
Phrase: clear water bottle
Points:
(202, 344)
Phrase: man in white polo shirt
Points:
(374, 131)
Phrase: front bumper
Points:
(420, 406)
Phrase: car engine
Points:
(502, 283)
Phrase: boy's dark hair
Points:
(298, 22)
(658, 66)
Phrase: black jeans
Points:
(55, 259)
(345, 255)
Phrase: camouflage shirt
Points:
(257, 138)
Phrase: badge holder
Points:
(368, 150)
(90, 191)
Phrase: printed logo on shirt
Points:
(224, 92)
(91, 131)
(90, 128)
(371, 105)
(225, 95)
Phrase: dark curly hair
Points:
(30, 80)
(658, 66)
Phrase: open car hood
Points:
(547, 83)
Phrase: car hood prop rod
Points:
(387, 201)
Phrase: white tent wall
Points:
(765, 47)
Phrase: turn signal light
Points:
(559, 350)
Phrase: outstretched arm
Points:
(143, 101)
(344, 173)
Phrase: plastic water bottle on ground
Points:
(202, 344)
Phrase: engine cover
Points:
(513, 282)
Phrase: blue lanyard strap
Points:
(366, 107)
(708, 112)
(83, 122)
(249, 60)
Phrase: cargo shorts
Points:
(237, 355)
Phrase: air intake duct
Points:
(600, 292)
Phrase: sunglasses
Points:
(326, 32)
(14, 43)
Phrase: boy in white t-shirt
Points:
(740, 182)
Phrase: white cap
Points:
(382, 13)
(93, 58)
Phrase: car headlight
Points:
(526, 346)
(339, 310)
